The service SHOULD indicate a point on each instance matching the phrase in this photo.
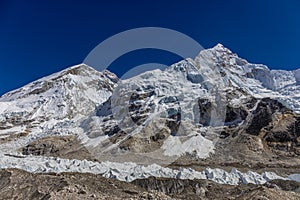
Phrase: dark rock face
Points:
(139, 108)
(174, 113)
(173, 125)
(205, 108)
(141, 96)
(284, 135)
(158, 136)
(278, 126)
(235, 114)
(112, 131)
(169, 99)
(262, 115)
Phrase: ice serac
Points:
(131, 171)
(297, 76)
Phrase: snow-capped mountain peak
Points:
(78, 74)
(221, 48)
(56, 103)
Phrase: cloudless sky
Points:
(38, 38)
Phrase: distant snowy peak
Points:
(79, 74)
(220, 68)
(271, 79)
(256, 79)
(72, 93)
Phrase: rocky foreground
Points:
(18, 184)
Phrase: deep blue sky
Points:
(38, 38)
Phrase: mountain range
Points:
(215, 119)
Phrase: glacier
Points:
(131, 171)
